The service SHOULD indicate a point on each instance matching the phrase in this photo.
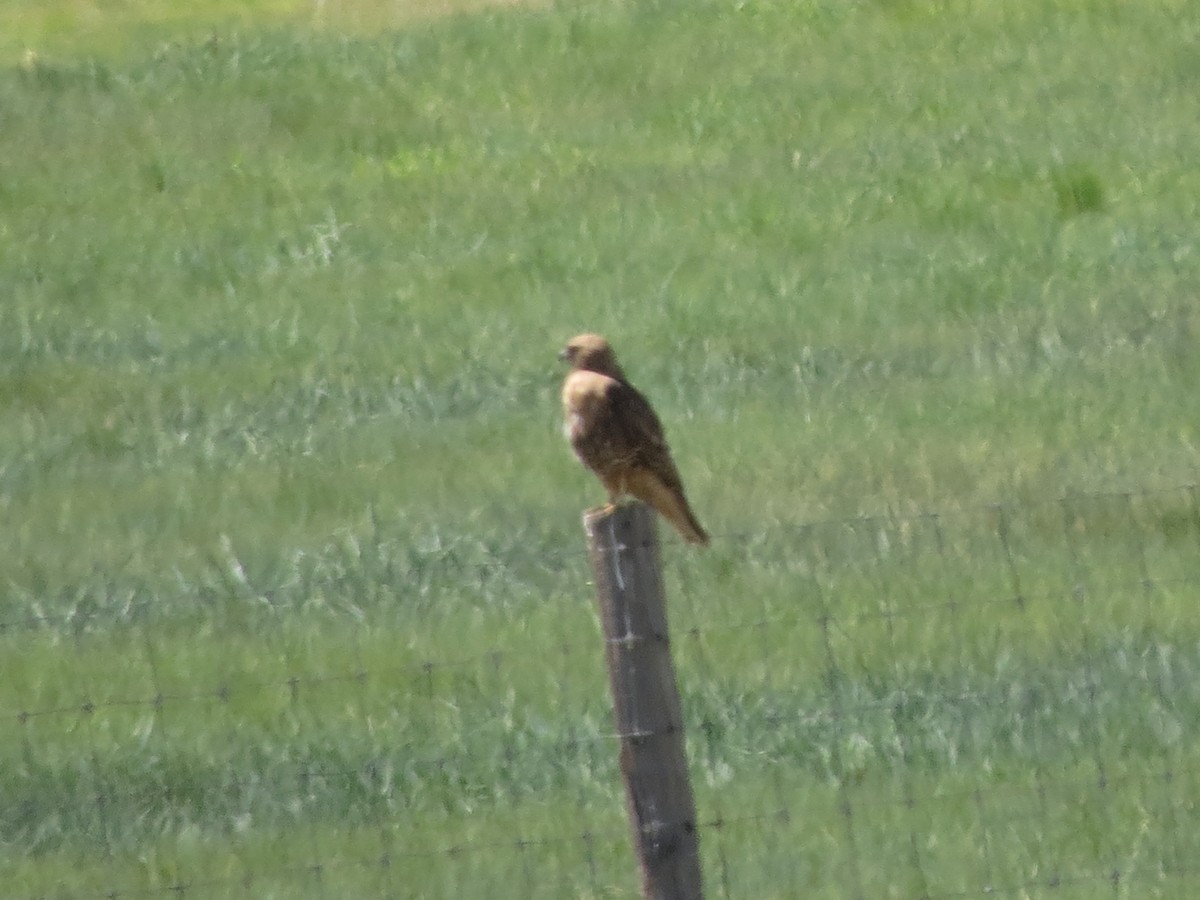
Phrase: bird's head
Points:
(591, 353)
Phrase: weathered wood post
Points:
(623, 547)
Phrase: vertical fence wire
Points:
(845, 802)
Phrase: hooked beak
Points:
(565, 355)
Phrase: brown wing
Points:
(615, 433)
(642, 433)
(612, 427)
(650, 473)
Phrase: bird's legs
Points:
(614, 500)
(617, 491)
(607, 508)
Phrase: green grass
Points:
(294, 596)
(114, 28)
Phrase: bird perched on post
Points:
(615, 433)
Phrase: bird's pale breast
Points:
(573, 426)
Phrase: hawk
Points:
(615, 433)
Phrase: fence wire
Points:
(995, 701)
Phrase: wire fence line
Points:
(993, 701)
(127, 603)
(422, 673)
(1094, 883)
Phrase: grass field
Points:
(294, 598)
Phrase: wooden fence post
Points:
(623, 547)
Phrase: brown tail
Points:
(672, 505)
(694, 532)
